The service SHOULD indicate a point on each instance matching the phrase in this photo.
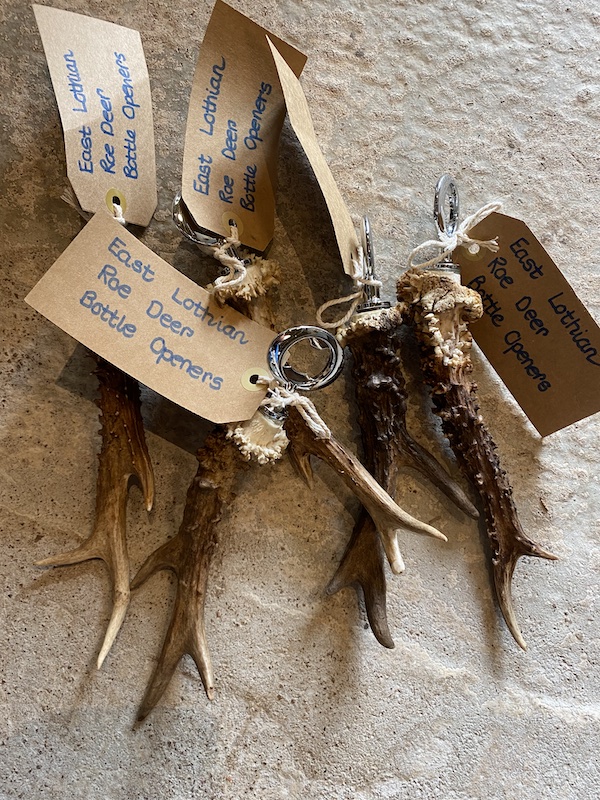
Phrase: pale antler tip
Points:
(397, 565)
(515, 630)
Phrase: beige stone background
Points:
(506, 96)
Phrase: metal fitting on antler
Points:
(440, 309)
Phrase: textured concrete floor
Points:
(506, 96)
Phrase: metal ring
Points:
(446, 191)
(291, 378)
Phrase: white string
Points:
(280, 397)
(70, 198)
(355, 297)
(118, 213)
(236, 267)
(447, 243)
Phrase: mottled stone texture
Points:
(506, 96)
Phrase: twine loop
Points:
(447, 243)
(355, 297)
(118, 213)
(280, 397)
(236, 269)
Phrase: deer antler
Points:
(373, 339)
(189, 555)
(123, 456)
(387, 516)
(190, 552)
(440, 310)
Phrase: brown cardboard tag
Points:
(102, 88)
(119, 299)
(301, 122)
(234, 122)
(535, 331)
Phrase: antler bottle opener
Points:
(440, 310)
(123, 458)
(372, 335)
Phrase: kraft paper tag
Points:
(234, 122)
(102, 88)
(119, 299)
(302, 124)
(535, 331)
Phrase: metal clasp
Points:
(371, 293)
(202, 237)
(187, 225)
(446, 209)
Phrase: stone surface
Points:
(506, 96)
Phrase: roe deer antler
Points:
(189, 555)
(373, 340)
(190, 552)
(440, 309)
(123, 457)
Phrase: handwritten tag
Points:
(302, 124)
(234, 122)
(119, 299)
(535, 331)
(102, 88)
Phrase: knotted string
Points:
(280, 397)
(236, 269)
(355, 297)
(447, 243)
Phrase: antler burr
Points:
(372, 335)
(123, 457)
(440, 309)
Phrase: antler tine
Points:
(503, 566)
(441, 309)
(363, 567)
(387, 516)
(123, 457)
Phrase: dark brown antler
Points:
(373, 339)
(190, 552)
(123, 457)
(440, 309)
(189, 555)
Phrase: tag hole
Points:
(116, 200)
(250, 379)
